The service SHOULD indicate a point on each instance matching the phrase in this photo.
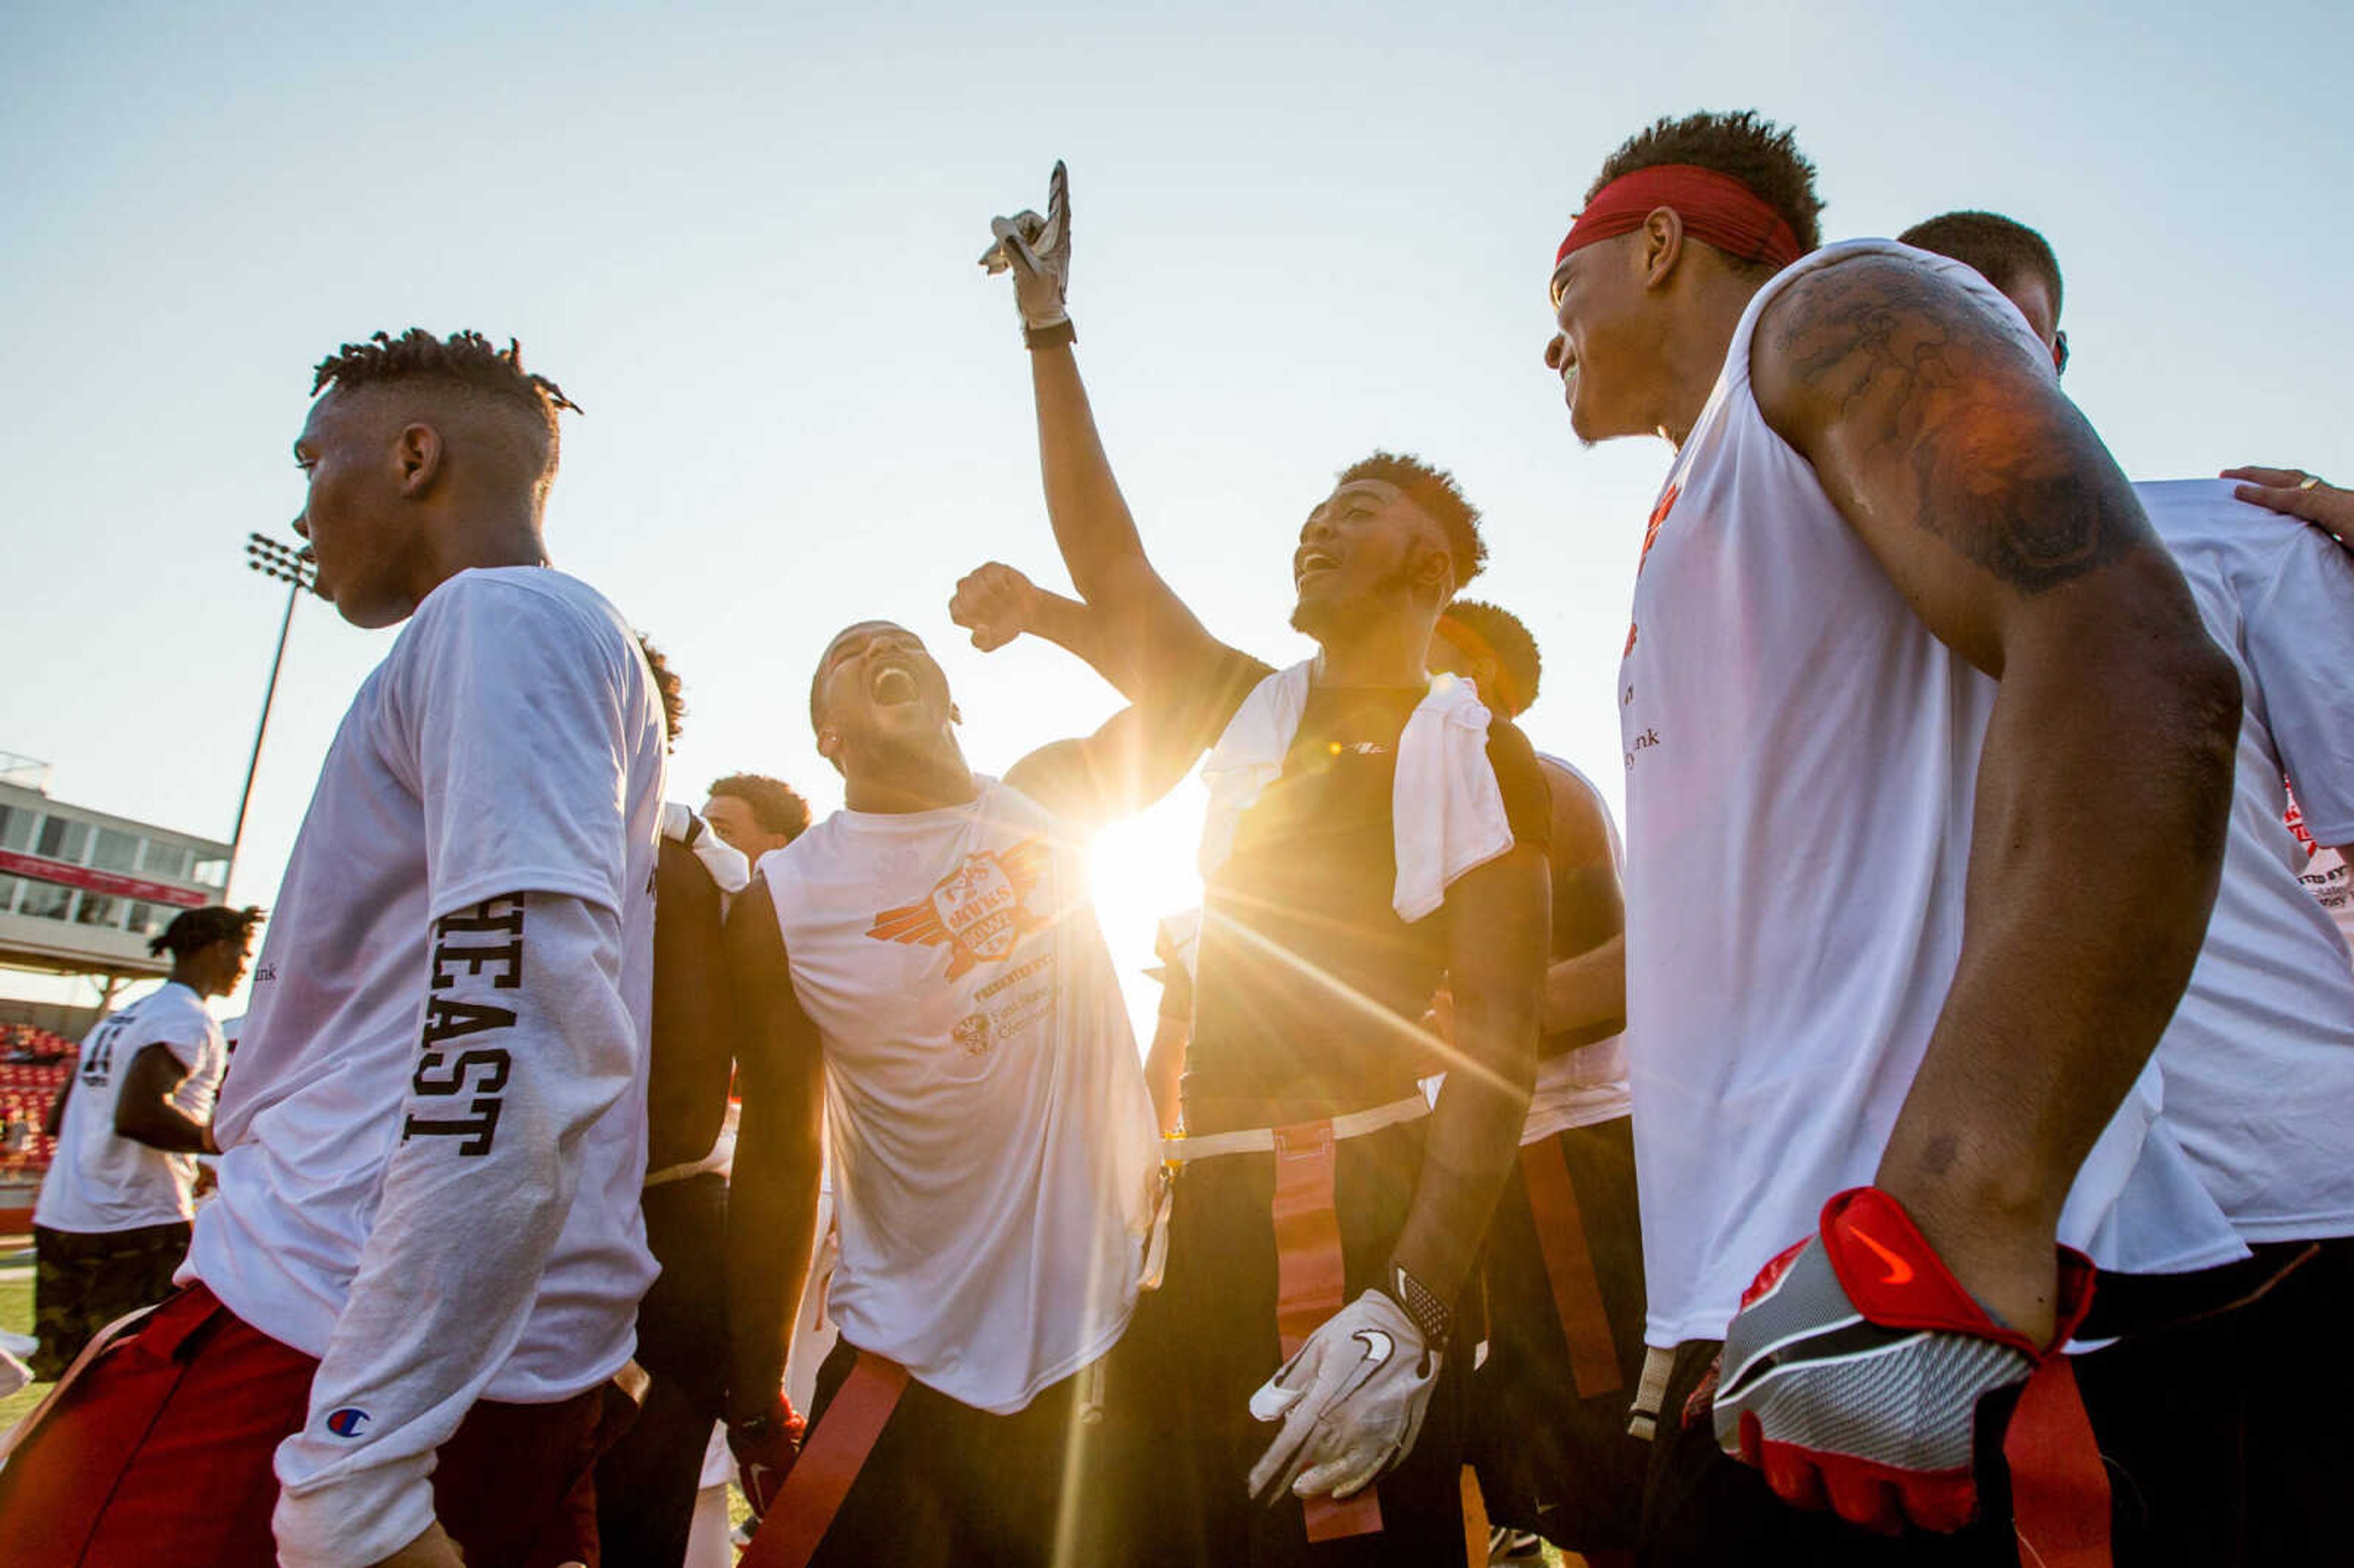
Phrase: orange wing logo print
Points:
(980, 909)
(1650, 537)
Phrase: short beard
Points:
(1330, 620)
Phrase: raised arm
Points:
(772, 1196)
(1148, 629)
(1116, 772)
(998, 604)
(2105, 778)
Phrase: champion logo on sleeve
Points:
(348, 1422)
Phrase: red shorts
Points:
(161, 1453)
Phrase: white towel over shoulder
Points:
(1447, 810)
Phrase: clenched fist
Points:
(996, 604)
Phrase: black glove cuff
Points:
(1056, 336)
(1422, 1304)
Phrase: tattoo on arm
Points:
(1914, 380)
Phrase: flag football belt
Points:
(1263, 1139)
(831, 1458)
(1310, 1272)
(1569, 1269)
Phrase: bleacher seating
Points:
(34, 1065)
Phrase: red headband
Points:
(1715, 207)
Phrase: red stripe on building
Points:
(90, 881)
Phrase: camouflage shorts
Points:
(83, 1282)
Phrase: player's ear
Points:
(417, 454)
(1663, 245)
(828, 742)
(954, 716)
(1435, 570)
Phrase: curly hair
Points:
(1507, 638)
(1434, 491)
(672, 690)
(776, 805)
(193, 931)
(2002, 250)
(463, 359)
(1758, 152)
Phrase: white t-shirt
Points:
(991, 1141)
(2259, 1059)
(101, 1181)
(1798, 742)
(1588, 1085)
(509, 741)
(2326, 875)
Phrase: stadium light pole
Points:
(296, 568)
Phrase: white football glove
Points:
(1350, 1402)
(1037, 251)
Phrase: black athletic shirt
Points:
(1303, 963)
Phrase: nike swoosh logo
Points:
(1379, 1346)
(1899, 1271)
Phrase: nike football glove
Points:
(1037, 251)
(1350, 1402)
(1853, 1372)
(765, 1447)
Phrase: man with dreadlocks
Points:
(1369, 832)
(425, 1258)
(112, 1223)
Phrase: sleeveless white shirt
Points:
(1588, 1085)
(1798, 742)
(992, 1144)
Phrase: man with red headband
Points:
(1914, 692)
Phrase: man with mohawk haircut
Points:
(399, 1317)
(1296, 1380)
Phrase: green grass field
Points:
(16, 1317)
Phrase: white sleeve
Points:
(2299, 643)
(524, 1041)
(517, 712)
(516, 709)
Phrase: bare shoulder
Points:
(1875, 326)
(1928, 414)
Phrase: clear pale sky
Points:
(743, 237)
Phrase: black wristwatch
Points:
(1421, 1303)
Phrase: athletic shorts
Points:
(2221, 1416)
(161, 1453)
(2228, 1422)
(647, 1482)
(946, 1484)
(1180, 1382)
(83, 1281)
(1564, 1271)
